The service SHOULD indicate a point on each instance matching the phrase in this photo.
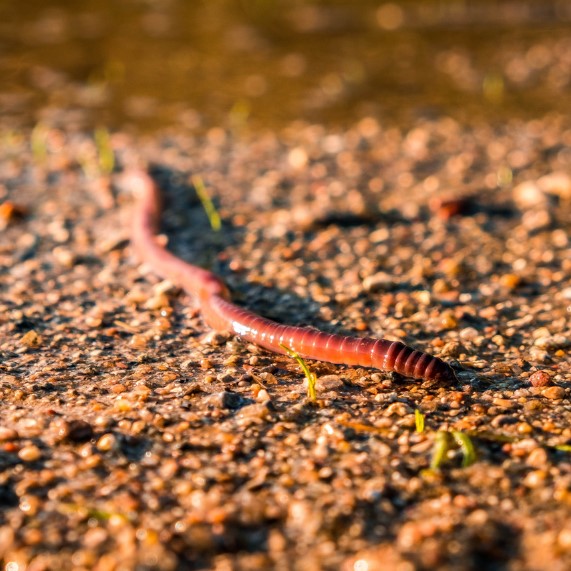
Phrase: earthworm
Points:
(222, 315)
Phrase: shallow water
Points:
(133, 64)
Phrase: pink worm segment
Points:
(224, 316)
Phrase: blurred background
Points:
(143, 65)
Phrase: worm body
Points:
(223, 315)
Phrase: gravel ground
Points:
(132, 437)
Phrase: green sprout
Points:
(38, 141)
(90, 512)
(419, 420)
(467, 447)
(105, 155)
(207, 204)
(239, 114)
(440, 449)
(442, 446)
(309, 375)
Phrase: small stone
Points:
(73, 430)
(156, 302)
(524, 428)
(552, 342)
(554, 393)
(528, 194)
(535, 479)
(539, 355)
(206, 364)
(106, 442)
(447, 320)
(533, 406)
(510, 281)
(539, 379)
(214, 339)
(254, 413)
(327, 383)
(378, 282)
(537, 458)
(227, 399)
(564, 539)
(536, 220)
(409, 536)
(29, 504)
(7, 434)
(31, 339)
(94, 537)
(398, 409)
(469, 334)
(29, 453)
(556, 183)
(297, 157)
(64, 256)
(263, 395)
(448, 207)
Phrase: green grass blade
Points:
(38, 142)
(207, 204)
(106, 157)
(309, 375)
(467, 447)
(419, 420)
(440, 449)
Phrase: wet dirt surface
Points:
(132, 437)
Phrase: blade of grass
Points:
(239, 114)
(106, 158)
(38, 141)
(419, 420)
(309, 375)
(467, 447)
(440, 449)
(91, 512)
(207, 204)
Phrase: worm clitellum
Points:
(222, 315)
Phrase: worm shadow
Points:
(190, 237)
(183, 221)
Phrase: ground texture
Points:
(132, 437)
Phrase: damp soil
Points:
(132, 437)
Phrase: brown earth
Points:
(131, 437)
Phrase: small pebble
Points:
(7, 434)
(469, 334)
(553, 342)
(106, 442)
(29, 453)
(554, 393)
(528, 194)
(31, 339)
(73, 430)
(380, 281)
(537, 458)
(227, 399)
(535, 479)
(539, 379)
